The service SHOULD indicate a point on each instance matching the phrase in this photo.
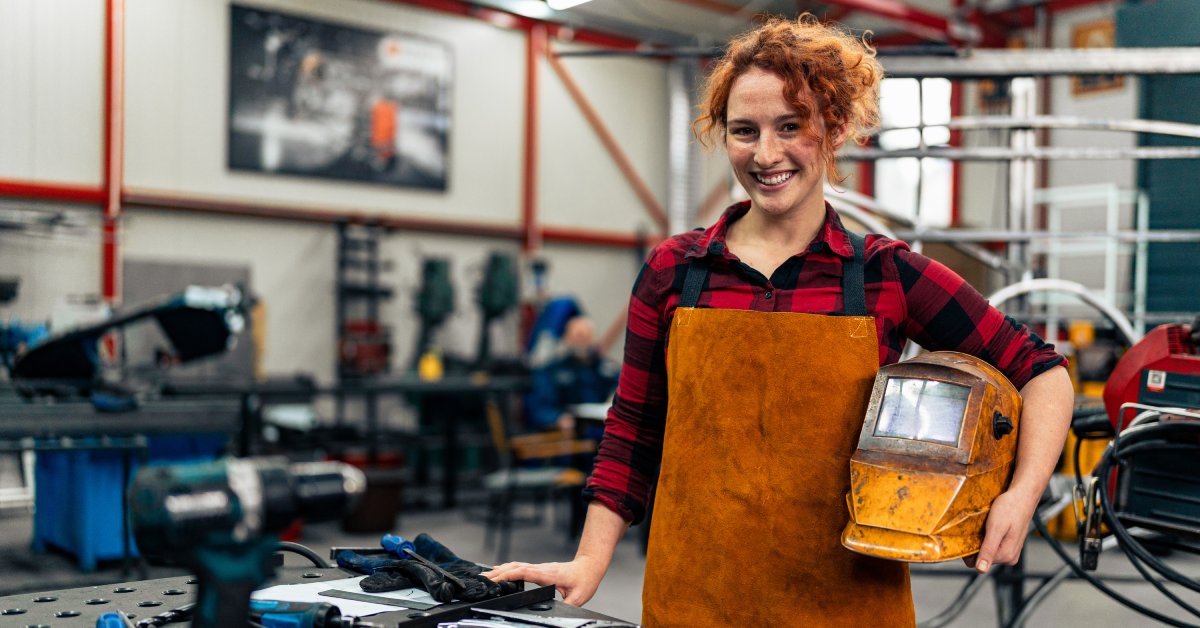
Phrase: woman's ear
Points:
(840, 133)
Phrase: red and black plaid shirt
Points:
(910, 296)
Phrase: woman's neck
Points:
(792, 232)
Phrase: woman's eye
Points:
(791, 127)
(742, 131)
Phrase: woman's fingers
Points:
(569, 579)
(537, 574)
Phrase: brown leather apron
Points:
(764, 413)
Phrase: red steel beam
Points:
(1026, 16)
(711, 5)
(52, 191)
(653, 207)
(163, 200)
(152, 199)
(574, 235)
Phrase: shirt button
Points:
(767, 295)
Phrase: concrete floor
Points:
(1073, 604)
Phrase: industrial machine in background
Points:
(434, 303)
(223, 520)
(1145, 491)
(497, 295)
(198, 322)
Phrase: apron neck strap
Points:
(693, 283)
(854, 295)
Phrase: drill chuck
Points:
(232, 501)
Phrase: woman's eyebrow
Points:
(783, 118)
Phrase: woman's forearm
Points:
(602, 531)
(1047, 401)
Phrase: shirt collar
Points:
(832, 235)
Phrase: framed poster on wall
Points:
(318, 99)
(1099, 34)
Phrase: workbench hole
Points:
(45, 598)
(192, 581)
(37, 626)
(174, 592)
(13, 611)
(309, 574)
(97, 600)
(124, 590)
(149, 603)
(65, 614)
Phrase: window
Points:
(919, 111)
(921, 409)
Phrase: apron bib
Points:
(764, 413)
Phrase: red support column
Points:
(534, 49)
(114, 151)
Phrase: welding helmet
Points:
(936, 448)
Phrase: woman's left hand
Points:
(1005, 531)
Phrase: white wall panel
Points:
(52, 55)
(16, 85)
(178, 99)
(153, 84)
(51, 265)
(579, 184)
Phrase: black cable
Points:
(958, 605)
(1078, 472)
(1160, 586)
(1039, 594)
(296, 548)
(1104, 588)
(1128, 543)
(1116, 455)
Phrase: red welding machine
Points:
(1160, 489)
(1163, 369)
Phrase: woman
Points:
(778, 320)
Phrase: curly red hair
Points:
(839, 70)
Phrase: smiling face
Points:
(771, 151)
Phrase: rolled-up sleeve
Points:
(944, 313)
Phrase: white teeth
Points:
(773, 180)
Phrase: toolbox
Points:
(79, 493)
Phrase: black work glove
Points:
(438, 587)
(478, 587)
(364, 563)
(386, 579)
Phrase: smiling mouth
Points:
(774, 179)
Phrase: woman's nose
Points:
(769, 151)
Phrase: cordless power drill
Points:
(279, 614)
(222, 519)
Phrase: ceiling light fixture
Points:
(562, 5)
